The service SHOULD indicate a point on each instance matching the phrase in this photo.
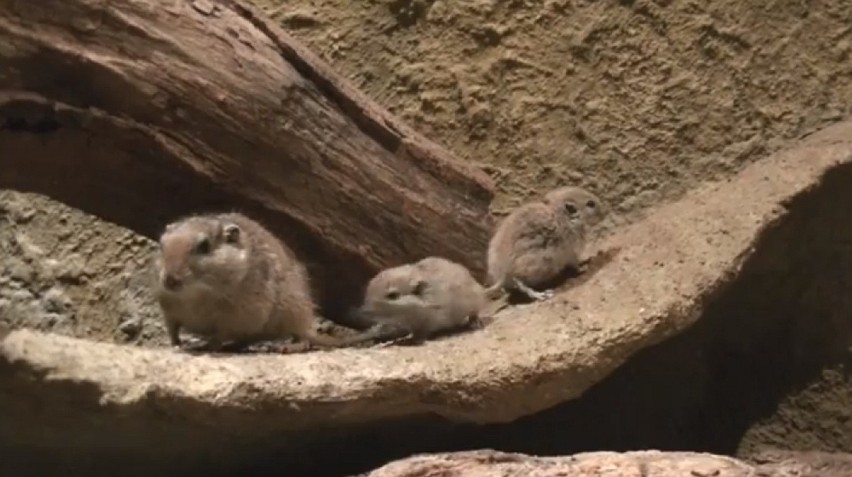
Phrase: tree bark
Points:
(140, 111)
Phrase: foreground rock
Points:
(487, 463)
(803, 463)
(101, 400)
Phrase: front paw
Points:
(544, 295)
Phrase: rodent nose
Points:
(171, 283)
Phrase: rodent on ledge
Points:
(227, 278)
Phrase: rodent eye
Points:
(232, 233)
(571, 208)
(203, 246)
(591, 204)
(419, 288)
(392, 295)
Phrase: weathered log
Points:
(140, 111)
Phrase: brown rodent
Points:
(535, 243)
(424, 298)
(225, 277)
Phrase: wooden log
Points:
(140, 111)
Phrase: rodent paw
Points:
(546, 294)
(533, 294)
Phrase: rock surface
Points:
(802, 463)
(111, 400)
(488, 463)
(637, 99)
(73, 274)
(817, 416)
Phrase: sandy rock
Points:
(488, 463)
(803, 463)
(74, 274)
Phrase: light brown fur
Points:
(424, 298)
(535, 243)
(243, 286)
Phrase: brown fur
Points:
(424, 298)
(248, 286)
(538, 241)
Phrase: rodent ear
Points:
(392, 294)
(231, 233)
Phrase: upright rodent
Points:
(535, 243)
(424, 298)
(227, 278)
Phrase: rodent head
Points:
(578, 204)
(201, 251)
(394, 290)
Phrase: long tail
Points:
(495, 291)
(495, 303)
(329, 341)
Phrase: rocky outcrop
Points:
(72, 396)
(488, 463)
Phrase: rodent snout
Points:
(171, 282)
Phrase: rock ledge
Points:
(57, 392)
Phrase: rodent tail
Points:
(495, 304)
(495, 291)
(328, 341)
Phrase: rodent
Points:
(539, 240)
(227, 278)
(424, 298)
